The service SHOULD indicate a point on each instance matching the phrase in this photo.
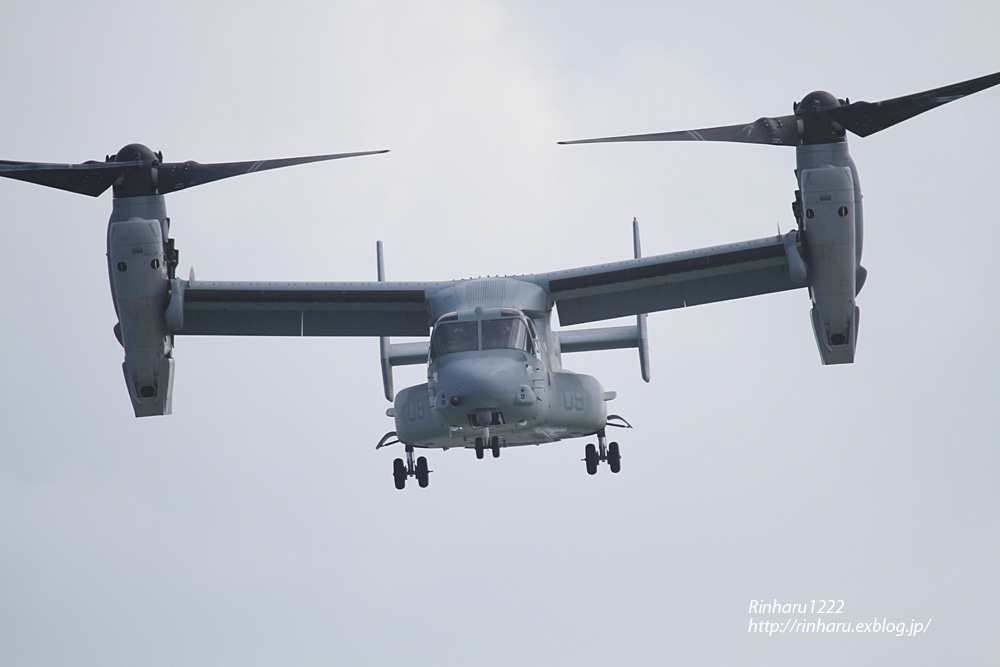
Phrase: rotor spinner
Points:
(816, 124)
(138, 180)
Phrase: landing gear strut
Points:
(603, 451)
(403, 469)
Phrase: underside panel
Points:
(672, 281)
(241, 323)
(366, 323)
(302, 309)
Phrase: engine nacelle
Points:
(139, 284)
(829, 209)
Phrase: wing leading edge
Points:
(665, 282)
(302, 309)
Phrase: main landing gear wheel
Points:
(423, 473)
(594, 454)
(480, 450)
(399, 473)
(401, 470)
(590, 457)
(614, 457)
(495, 446)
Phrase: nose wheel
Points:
(603, 451)
(401, 470)
(494, 445)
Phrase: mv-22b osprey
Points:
(495, 376)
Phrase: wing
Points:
(676, 280)
(299, 309)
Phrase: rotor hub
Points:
(816, 124)
(139, 180)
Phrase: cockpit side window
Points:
(532, 337)
(507, 333)
(454, 337)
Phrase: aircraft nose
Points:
(472, 391)
(475, 389)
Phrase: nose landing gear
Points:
(494, 446)
(611, 453)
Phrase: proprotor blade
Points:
(865, 118)
(89, 178)
(781, 131)
(180, 175)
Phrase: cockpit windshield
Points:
(507, 333)
(455, 337)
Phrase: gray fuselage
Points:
(494, 369)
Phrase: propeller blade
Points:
(89, 178)
(865, 118)
(781, 131)
(175, 176)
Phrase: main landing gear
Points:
(409, 468)
(401, 470)
(611, 453)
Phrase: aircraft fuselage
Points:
(494, 371)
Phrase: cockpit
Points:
(502, 329)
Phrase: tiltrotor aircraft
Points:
(495, 376)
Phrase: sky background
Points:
(257, 525)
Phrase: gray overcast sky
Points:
(257, 525)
